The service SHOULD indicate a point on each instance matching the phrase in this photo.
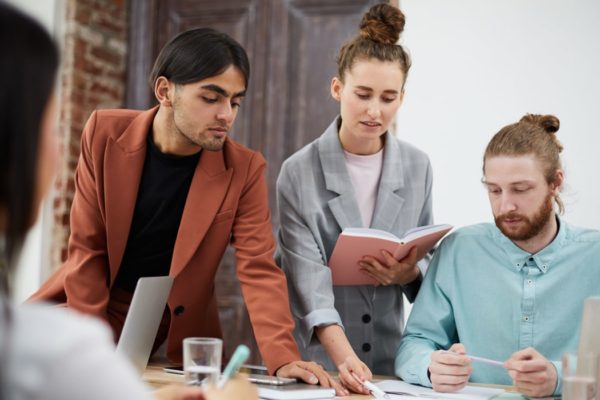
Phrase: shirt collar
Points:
(543, 259)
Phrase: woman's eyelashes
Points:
(367, 96)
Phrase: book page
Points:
(421, 231)
(373, 233)
(468, 393)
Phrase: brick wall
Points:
(92, 76)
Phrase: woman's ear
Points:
(164, 91)
(336, 88)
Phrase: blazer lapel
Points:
(123, 165)
(344, 207)
(389, 202)
(208, 190)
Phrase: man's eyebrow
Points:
(221, 91)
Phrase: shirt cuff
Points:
(558, 388)
(412, 289)
(415, 368)
(314, 319)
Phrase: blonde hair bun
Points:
(383, 23)
(548, 123)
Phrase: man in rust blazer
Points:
(165, 191)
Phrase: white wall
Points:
(33, 257)
(481, 64)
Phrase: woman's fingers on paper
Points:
(355, 372)
(347, 379)
(352, 384)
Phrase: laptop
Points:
(143, 319)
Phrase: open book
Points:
(402, 390)
(355, 243)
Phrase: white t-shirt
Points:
(55, 354)
(365, 172)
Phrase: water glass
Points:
(579, 375)
(202, 360)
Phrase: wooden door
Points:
(292, 46)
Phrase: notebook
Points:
(143, 319)
(470, 392)
(355, 243)
(295, 391)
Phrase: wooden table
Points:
(156, 377)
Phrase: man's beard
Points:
(530, 227)
(206, 143)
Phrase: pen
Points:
(486, 361)
(481, 359)
(240, 355)
(375, 391)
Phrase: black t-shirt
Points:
(164, 187)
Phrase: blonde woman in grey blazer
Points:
(355, 329)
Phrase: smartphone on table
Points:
(255, 373)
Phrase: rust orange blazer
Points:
(227, 203)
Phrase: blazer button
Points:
(366, 318)
(179, 310)
(366, 347)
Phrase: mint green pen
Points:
(240, 355)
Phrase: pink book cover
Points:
(355, 243)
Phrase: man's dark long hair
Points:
(27, 72)
(198, 54)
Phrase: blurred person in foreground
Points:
(45, 352)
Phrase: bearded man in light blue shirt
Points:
(512, 291)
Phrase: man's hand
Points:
(310, 372)
(392, 271)
(532, 374)
(352, 372)
(448, 371)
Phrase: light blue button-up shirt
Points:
(495, 298)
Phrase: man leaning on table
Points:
(512, 291)
(164, 192)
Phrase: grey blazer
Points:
(316, 202)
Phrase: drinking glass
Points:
(202, 360)
(579, 374)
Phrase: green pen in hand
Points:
(240, 355)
